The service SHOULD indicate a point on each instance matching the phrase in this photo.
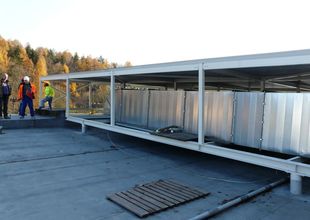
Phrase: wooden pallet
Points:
(154, 197)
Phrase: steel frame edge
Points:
(252, 158)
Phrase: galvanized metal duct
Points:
(134, 107)
(277, 122)
(248, 120)
(287, 123)
(218, 114)
(166, 108)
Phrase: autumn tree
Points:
(66, 68)
(41, 66)
(4, 61)
(18, 60)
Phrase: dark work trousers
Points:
(0, 106)
(20, 108)
(4, 105)
(27, 101)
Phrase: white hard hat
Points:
(26, 78)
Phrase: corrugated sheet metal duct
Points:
(277, 122)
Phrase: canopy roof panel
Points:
(283, 70)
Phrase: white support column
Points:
(40, 91)
(89, 95)
(201, 99)
(67, 97)
(295, 184)
(112, 100)
(83, 128)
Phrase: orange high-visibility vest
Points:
(21, 88)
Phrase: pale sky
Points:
(153, 31)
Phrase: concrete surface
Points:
(61, 174)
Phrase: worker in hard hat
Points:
(26, 94)
(49, 95)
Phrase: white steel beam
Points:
(90, 95)
(295, 184)
(156, 69)
(201, 98)
(259, 60)
(55, 77)
(90, 74)
(40, 91)
(135, 133)
(112, 100)
(298, 168)
(67, 97)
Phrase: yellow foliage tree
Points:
(27, 63)
(41, 66)
(4, 61)
(66, 68)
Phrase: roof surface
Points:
(60, 173)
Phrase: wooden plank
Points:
(149, 199)
(176, 194)
(171, 200)
(137, 203)
(133, 208)
(153, 197)
(198, 193)
(150, 194)
(173, 183)
(159, 191)
(179, 189)
(175, 191)
(186, 187)
(146, 203)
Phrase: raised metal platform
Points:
(43, 119)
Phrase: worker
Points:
(26, 94)
(49, 94)
(4, 96)
(21, 102)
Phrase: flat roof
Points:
(68, 175)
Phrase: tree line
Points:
(18, 60)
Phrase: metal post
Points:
(112, 102)
(233, 118)
(201, 98)
(262, 86)
(83, 128)
(89, 95)
(262, 121)
(40, 91)
(296, 184)
(298, 89)
(67, 97)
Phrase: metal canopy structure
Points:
(280, 72)
(286, 71)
